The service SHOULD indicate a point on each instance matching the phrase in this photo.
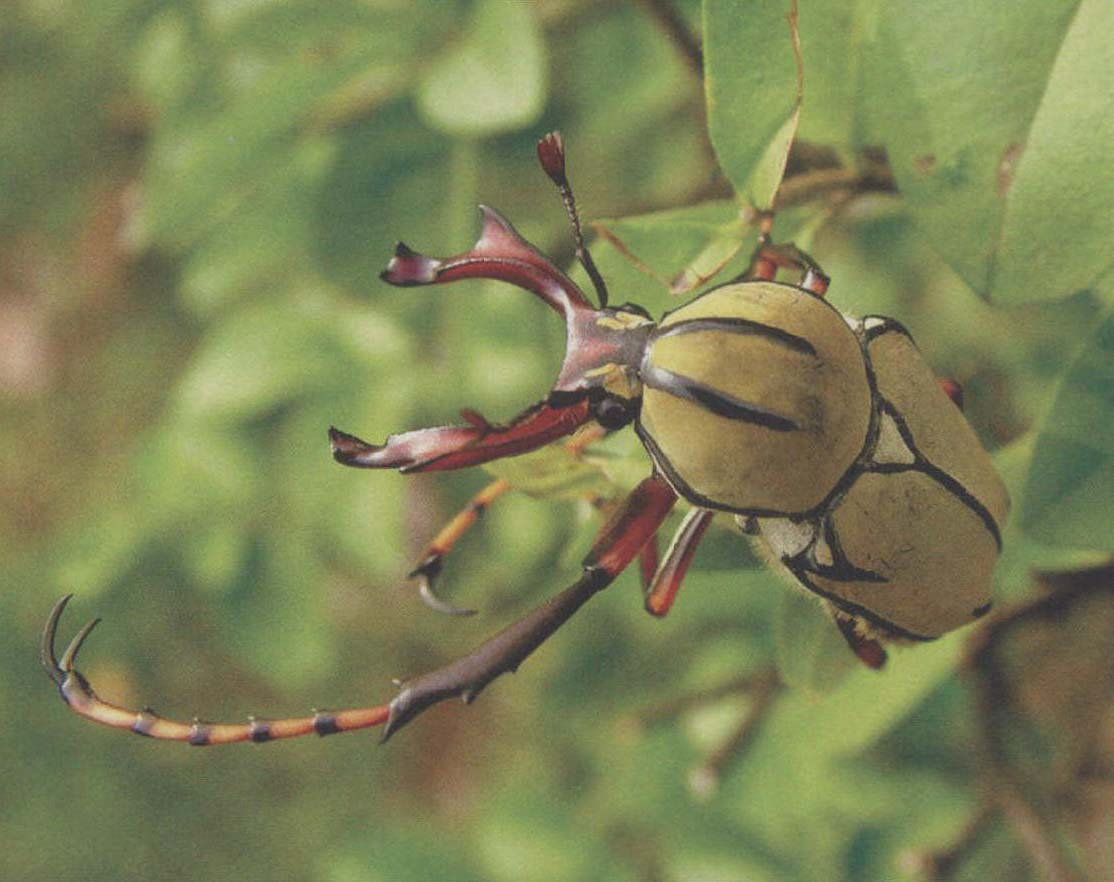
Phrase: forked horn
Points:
(501, 254)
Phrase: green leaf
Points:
(1069, 496)
(494, 80)
(677, 249)
(753, 91)
(1060, 204)
(553, 472)
(832, 36)
(996, 120)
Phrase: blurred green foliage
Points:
(196, 197)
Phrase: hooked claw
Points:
(425, 574)
(61, 671)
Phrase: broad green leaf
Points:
(674, 250)
(832, 37)
(1069, 496)
(553, 472)
(995, 119)
(493, 80)
(1060, 204)
(753, 90)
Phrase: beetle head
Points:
(603, 347)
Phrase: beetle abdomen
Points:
(755, 399)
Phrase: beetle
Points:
(827, 437)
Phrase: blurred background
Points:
(196, 198)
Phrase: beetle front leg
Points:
(663, 589)
(618, 543)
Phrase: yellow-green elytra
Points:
(831, 439)
(755, 399)
(908, 539)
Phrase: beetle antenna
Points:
(551, 155)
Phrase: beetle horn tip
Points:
(348, 449)
(408, 267)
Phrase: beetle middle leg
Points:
(433, 558)
(662, 590)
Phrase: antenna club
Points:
(551, 155)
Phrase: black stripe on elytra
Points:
(841, 569)
(717, 402)
(259, 731)
(886, 325)
(855, 610)
(734, 325)
(665, 467)
(922, 465)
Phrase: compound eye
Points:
(613, 413)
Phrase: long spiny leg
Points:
(433, 559)
(617, 545)
(82, 700)
(663, 589)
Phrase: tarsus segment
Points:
(619, 542)
(433, 558)
(79, 695)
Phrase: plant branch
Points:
(665, 15)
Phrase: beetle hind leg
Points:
(868, 649)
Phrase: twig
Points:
(763, 689)
(941, 865)
(669, 20)
(991, 688)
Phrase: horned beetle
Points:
(827, 437)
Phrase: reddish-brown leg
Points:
(952, 389)
(870, 652)
(669, 576)
(620, 540)
(768, 258)
(433, 559)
